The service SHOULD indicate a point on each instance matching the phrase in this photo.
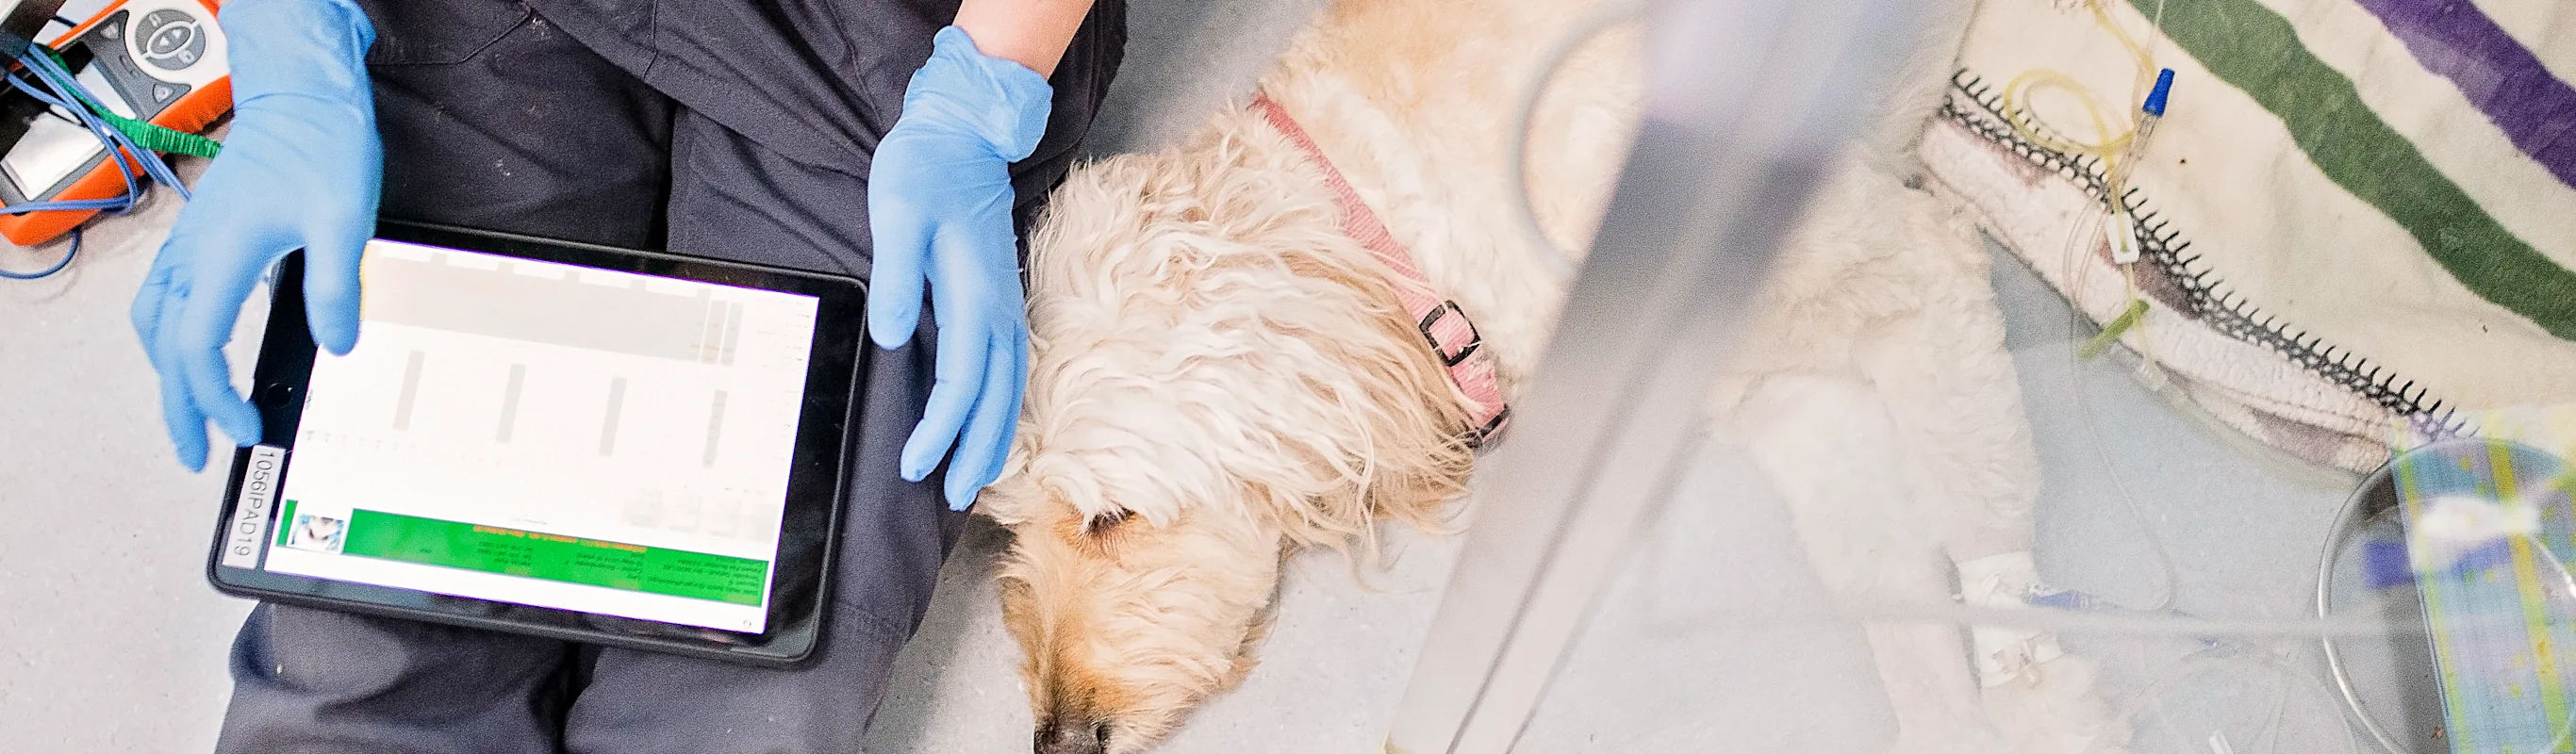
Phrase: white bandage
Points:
(2004, 654)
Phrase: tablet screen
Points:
(551, 435)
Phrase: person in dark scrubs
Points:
(904, 141)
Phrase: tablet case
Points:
(251, 521)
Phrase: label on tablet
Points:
(551, 435)
(249, 523)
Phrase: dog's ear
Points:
(1010, 501)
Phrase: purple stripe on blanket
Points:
(2456, 40)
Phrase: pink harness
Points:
(1443, 325)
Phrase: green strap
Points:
(145, 134)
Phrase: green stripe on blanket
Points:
(2257, 51)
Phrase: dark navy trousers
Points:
(736, 129)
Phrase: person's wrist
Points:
(1001, 102)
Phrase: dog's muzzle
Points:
(1059, 736)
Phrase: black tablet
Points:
(586, 443)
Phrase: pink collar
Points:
(1453, 339)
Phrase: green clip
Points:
(2136, 312)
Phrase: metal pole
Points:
(1748, 104)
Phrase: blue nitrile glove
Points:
(939, 199)
(301, 169)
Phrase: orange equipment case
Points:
(173, 44)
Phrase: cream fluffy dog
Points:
(1221, 377)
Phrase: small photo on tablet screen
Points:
(551, 435)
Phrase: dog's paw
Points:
(1948, 735)
(2004, 654)
(2038, 698)
(2050, 708)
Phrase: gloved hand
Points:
(939, 200)
(301, 169)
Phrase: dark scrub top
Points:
(737, 129)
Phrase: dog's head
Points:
(1219, 375)
(1127, 624)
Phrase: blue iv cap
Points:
(2156, 99)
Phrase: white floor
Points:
(110, 641)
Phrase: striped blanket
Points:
(2357, 218)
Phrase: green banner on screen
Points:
(285, 523)
(555, 557)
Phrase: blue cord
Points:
(55, 86)
(49, 271)
(63, 86)
(112, 204)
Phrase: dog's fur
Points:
(1222, 378)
